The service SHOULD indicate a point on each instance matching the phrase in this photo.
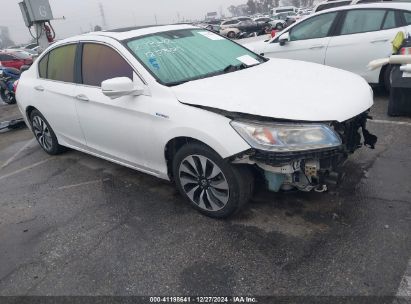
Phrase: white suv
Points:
(187, 105)
(346, 37)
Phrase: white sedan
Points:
(187, 105)
(347, 37)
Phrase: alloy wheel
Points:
(42, 133)
(204, 183)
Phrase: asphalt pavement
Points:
(77, 225)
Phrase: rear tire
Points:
(44, 134)
(212, 185)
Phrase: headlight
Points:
(283, 137)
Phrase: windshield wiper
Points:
(176, 83)
(228, 69)
(232, 68)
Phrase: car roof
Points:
(395, 5)
(129, 32)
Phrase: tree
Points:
(252, 7)
(98, 28)
(295, 3)
(266, 5)
(232, 9)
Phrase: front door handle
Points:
(82, 97)
(316, 47)
(39, 88)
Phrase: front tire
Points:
(212, 185)
(44, 134)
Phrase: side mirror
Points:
(120, 86)
(284, 38)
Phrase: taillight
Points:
(405, 51)
(15, 84)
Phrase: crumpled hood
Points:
(283, 89)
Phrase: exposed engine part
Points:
(333, 178)
(322, 188)
(286, 169)
(302, 182)
(311, 168)
(274, 180)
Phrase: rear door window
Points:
(101, 62)
(43, 66)
(362, 21)
(61, 63)
(389, 22)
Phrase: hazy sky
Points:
(81, 15)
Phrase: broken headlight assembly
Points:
(287, 137)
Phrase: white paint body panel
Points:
(133, 130)
(302, 91)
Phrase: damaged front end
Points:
(306, 156)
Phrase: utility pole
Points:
(103, 16)
(155, 18)
(38, 14)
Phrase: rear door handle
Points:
(380, 40)
(82, 97)
(316, 47)
(39, 88)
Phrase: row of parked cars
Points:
(12, 62)
(278, 19)
(239, 27)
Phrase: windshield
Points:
(179, 56)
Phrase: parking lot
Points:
(77, 225)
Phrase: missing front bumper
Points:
(313, 169)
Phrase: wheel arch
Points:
(173, 146)
(29, 110)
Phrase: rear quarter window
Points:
(43, 66)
